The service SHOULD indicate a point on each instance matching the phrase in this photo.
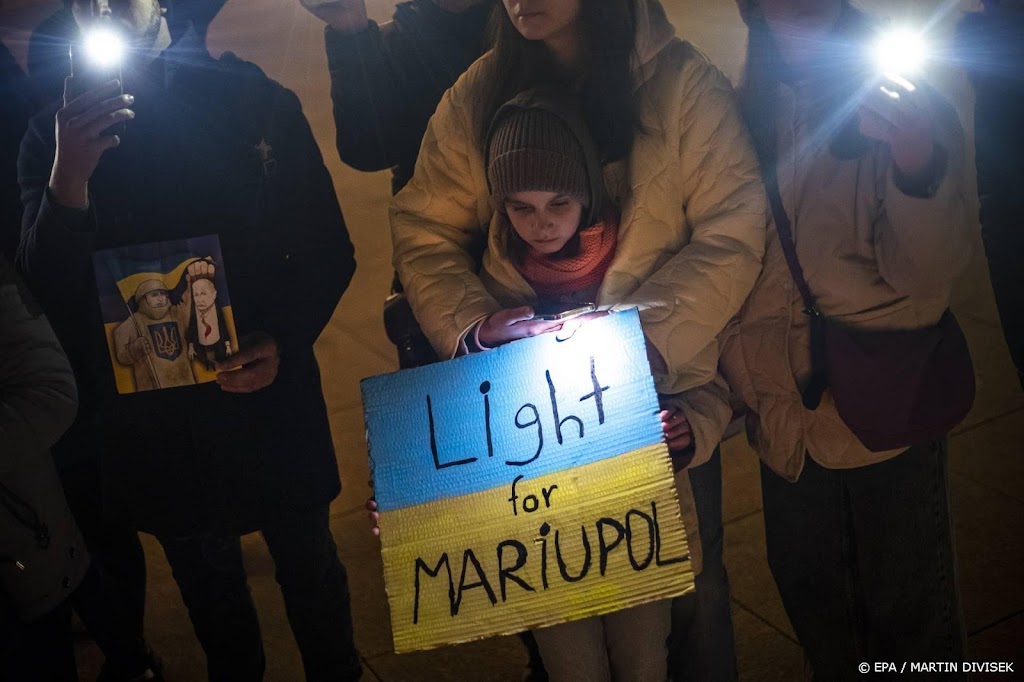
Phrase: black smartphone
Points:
(564, 312)
(86, 75)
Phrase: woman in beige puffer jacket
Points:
(690, 240)
(859, 542)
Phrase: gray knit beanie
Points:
(533, 150)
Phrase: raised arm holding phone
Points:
(864, 165)
(210, 149)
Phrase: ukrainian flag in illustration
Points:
(166, 312)
(524, 486)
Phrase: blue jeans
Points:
(209, 571)
(864, 561)
(702, 646)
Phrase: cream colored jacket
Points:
(873, 257)
(690, 242)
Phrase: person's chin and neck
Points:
(804, 35)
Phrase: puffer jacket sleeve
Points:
(689, 300)
(438, 224)
(923, 239)
(38, 398)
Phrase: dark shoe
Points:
(150, 669)
(535, 674)
(534, 671)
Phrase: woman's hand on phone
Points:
(80, 140)
(513, 324)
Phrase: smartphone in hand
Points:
(560, 314)
(88, 75)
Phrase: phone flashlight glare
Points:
(900, 54)
(103, 47)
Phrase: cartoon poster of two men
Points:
(166, 312)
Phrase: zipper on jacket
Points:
(11, 560)
(26, 516)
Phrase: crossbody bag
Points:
(893, 389)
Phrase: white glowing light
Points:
(900, 52)
(103, 47)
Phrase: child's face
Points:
(544, 220)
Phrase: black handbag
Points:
(893, 389)
(402, 329)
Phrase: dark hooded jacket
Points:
(42, 554)
(991, 50)
(387, 81)
(16, 107)
(195, 162)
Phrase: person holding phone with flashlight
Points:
(864, 166)
(386, 81)
(193, 146)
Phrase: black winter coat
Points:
(386, 81)
(991, 48)
(42, 554)
(16, 108)
(181, 460)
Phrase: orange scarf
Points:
(562, 278)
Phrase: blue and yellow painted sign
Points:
(523, 487)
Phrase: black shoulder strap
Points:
(786, 240)
(811, 393)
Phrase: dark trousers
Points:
(41, 651)
(864, 561)
(702, 646)
(115, 549)
(127, 655)
(209, 571)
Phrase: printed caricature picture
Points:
(207, 332)
(166, 312)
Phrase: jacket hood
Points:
(653, 33)
(567, 108)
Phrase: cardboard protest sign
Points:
(523, 487)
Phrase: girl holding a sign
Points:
(671, 154)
